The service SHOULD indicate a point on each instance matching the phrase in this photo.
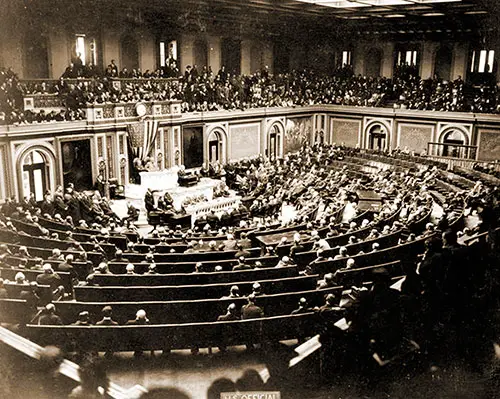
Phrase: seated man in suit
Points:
(149, 201)
(213, 219)
(119, 257)
(242, 264)
(140, 320)
(231, 315)
(327, 282)
(83, 319)
(132, 214)
(49, 317)
(49, 277)
(303, 307)
(331, 303)
(168, 201)
(185, 179)
(251, 310)
(107, 320)
(31, 296)
(234, 292)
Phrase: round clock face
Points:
(140, 109)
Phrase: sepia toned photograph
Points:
(249, 199)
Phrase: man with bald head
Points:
(140, 320)
(230, 315)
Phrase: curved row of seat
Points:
(176, 336)
(189, 292)
(174, 301)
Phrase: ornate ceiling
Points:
(405, 19)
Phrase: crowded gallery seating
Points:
(205, 91)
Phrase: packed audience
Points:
(203, 90)
(441, 294)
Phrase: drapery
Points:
(141, 138)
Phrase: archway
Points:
(377, 137)
(454, 142)
(35, 169)
(216, 146)
(275, 141)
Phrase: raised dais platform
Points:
(165, 181)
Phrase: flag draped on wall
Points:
(141, 138)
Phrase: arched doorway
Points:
(275, 141)
(129, 52)
(454, 142)
(35, 169)
(216, 147)
(373, 62)
(377, 137)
